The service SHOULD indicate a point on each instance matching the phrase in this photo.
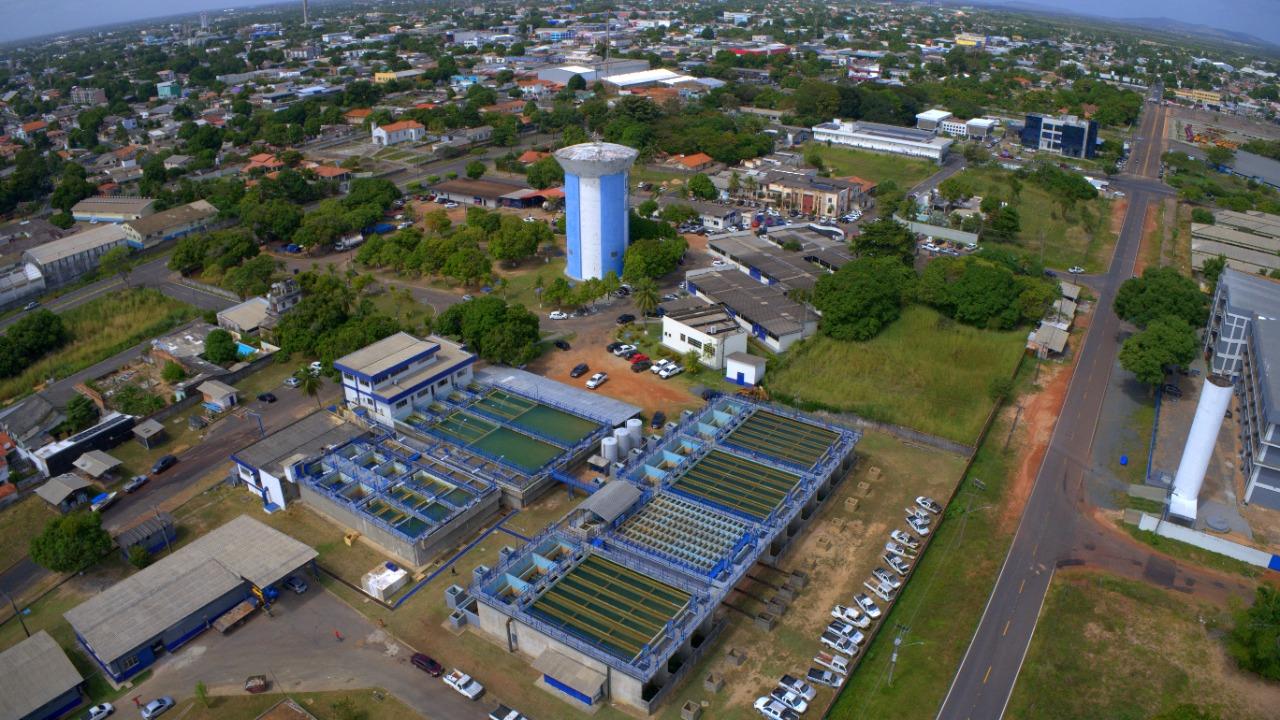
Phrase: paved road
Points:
(296, 649)
(1056, 528)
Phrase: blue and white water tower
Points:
(595, 199)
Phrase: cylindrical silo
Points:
(595, 206)
(1215, 398)
(609, 448)
(635, 428)
(624, 439)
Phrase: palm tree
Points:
(645, 293)
(308, 383)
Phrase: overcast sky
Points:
(29, 18)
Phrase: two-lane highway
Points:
(1050, 525)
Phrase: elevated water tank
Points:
(596, 207)
(635, 428)
(609, 448)
(1215, 398)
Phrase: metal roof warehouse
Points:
(37, 680)
(126, 626)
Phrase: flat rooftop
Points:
(32, 673)
(80, 242)
(705, 317)
(387, 353)
(1256, 222)
(145, 604)
(173, 217)
(304, 439)
(765, 305)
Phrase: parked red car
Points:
(638, 357)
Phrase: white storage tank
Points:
(609, 448)
(624, 439)
(635, 428)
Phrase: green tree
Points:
(1219, 155)
(220, 347)
(544, 173)
(70, 543)
(862, 297)
(80, 413)
(1254, 640)
(173, 372)
(1202, 215)
(116, 262)
(308, 383)
(576, 83)
(644, 291)
(886, 237)
(647, 208)
(701, 187)
(1212, 270)
(139, 556)
(1166, 342)
(202, 693)
(1161, 291)
(475, 169)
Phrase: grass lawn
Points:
(1140, 422)
(1080, 236)
(924, 372)
(644, 173)
(1112, 648)
(18, 524)
(99, 329)
(943, 602)
(366, 704)
(877, 167)
(1191, 553)
(522, 281)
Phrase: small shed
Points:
(744, 369)
(153, 533)
(65, 492)
(96, 464)
(149, 432)
(218, 396)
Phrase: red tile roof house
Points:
(398, 132)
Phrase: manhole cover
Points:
(1217, 523)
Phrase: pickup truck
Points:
(464, 684)
(819, 676)
(832, 661)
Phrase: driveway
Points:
(296, 649)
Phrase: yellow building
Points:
(1204, 96)
(971, 40)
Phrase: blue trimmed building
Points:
(391, 377)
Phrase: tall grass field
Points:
(99, 329)
(925, 371)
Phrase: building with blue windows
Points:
(1066, 135)
(390, 377)
(595, 196)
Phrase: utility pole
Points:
(17, 614)
(167, 546)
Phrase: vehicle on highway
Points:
(597, 380)
(134, 483)
(625, 318)
(887, 578)
(868, 605)
(659, 418)
(464, 684)
(267, 397)
(640, 366)
(1075, 269)
(774, 710)
(790, 699)
(157, 707)
(929, 504)
(292, 382)
(502, 712)
(579, 370)
(31, 305)
(558, 315)
(623, 349)
(917, 525)
(899, 565)
(798, 687)
(98, 712)
(850, 615)
(562, 344)
(164, 462)
(905, 538)
(426, 664)
(824, 677)
(296, 584)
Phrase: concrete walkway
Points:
(296, 649)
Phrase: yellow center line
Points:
(1006, 627)
(984, 677)
(1022, 585)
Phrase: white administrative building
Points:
(883, 138)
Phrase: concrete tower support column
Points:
(596, 207)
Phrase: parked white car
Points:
(623, 350)
(661, 365)
(918, 526)
(898, 565)
(838, 643)
(597, 380)
(824, 677)
(887, 578)
(868, 605)
(790, 699)
(99, 712)
(905, 538)
(929, 504)
(798, 687)
(670, 371)
(896, 549)
(774, 710)
(844, 629)
(558, 315)
(464, 684)
(851, 615)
